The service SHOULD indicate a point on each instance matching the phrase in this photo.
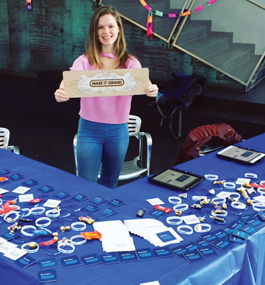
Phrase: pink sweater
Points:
(109, 110)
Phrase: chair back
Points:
(4, 138)
(134, 125)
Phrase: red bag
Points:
(219, 135)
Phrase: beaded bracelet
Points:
(176, 221)
(44, 225)
(181, 227)
(78, 242)
(199, 228)
(174, 200)
(78, 229)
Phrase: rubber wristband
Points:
(251, 175)
(198, 198)
(65, 244)
(53, 213)
(30, 250)
(43, 225)
(181, 207)
(174, 221)
(78, 229)
(181, 227)
(261, 191)
(26, 233)
(238, 205)
(259, 207)
(174, 200)
(9, 214)
(202, 228)
(25, 209)
(229, 185)
(234, 194)
(223, 214)
(211, 177)
(37, 211)
(78, 242)
(218, 200)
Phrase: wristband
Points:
(202, 228)
(234, 198)
(251, 175)
(30, 244)
(218, 200)
(43, 225)
(229, 185)
(26, 209)
(181, 227)
(78, 242)
(262, 183)
(176, 221)
(259, 207)
(26, 233)
(53, 213)
(37, 211)
(9, 220)
(78, 229)
(198, 198)
(65, 244)
(238, 205)
(174, 200)
(211, 177)
(222, 213)
(181, 207)
(261, 191)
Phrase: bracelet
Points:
(28, 213)
(30, 244)
(251, 175)
(238, 205)
(234, 198)
(218, 200)
(65, 244)
(28, 227)
(9, 220)
(259, 207)
(53, 213)
(199, 228)
(44, 225)
(78, 229)
(178, 222)
(229, 185)
(262, 183)
(174, 200)
(181, 207)
(211, 177)
(181, 227)
(78, 242)
(223, 213)
(37, 211)
(261, 191)
(198, 198)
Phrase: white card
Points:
(51, 203)
(21, 190)
(25, 198)
(260, 198)
(155, 201)
(3, 191)
(2, 240)
(151, 283)
(15, 253)
(241, 181)
(190, 219)
(223, 194)
(7, 246)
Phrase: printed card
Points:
(48, 263)
(98, 200)
(162, 252)
(25, 261)
(46, 189)
(193, 256)
(128, 256)
(145, 254)
(70, 261)
(91, 259)
(115, 203)
(47, 276)
(80, 198)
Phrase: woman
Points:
(103, 134)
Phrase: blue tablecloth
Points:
(241, 264)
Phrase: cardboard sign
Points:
(112, 82)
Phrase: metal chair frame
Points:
(132, 168)
(4, 141)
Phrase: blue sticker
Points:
(46, 189)
(222, 244)
(48, 263)
(91, 259)
(128, 256)
(98, 200)
(80, 198)
(116, 203)
(191, 246)
(90, 209)
(202, 242)
(108, 212)
(162, 252)
(4, 171)
(207, 251)
(209, 237)
(157, 214)
(47, 276)
(145, 253)
(30, 182)
(166, 236)
(178, 251)
(70, 261)
(110, 258)
(192, 256)
(221, 234)
(16, 177)
(61, 195)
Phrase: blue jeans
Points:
(106, 143)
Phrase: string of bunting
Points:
(152, 13)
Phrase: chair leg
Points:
(180, 123)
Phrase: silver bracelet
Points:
(174, 200)
(43, 225)
(181, 227)
(28, 245)
(176, 221)
(78, 229)
(202, 228)
(78, 242)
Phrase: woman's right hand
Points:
(61, 95)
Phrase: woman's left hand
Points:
(151, 90)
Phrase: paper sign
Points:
(102, 83)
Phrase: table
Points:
(241, 264)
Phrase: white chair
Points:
(4, 141)
(141, 163)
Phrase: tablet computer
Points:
(177, 179)
(241, 154)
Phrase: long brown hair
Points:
(93, 45)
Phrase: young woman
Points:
(103, 134)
